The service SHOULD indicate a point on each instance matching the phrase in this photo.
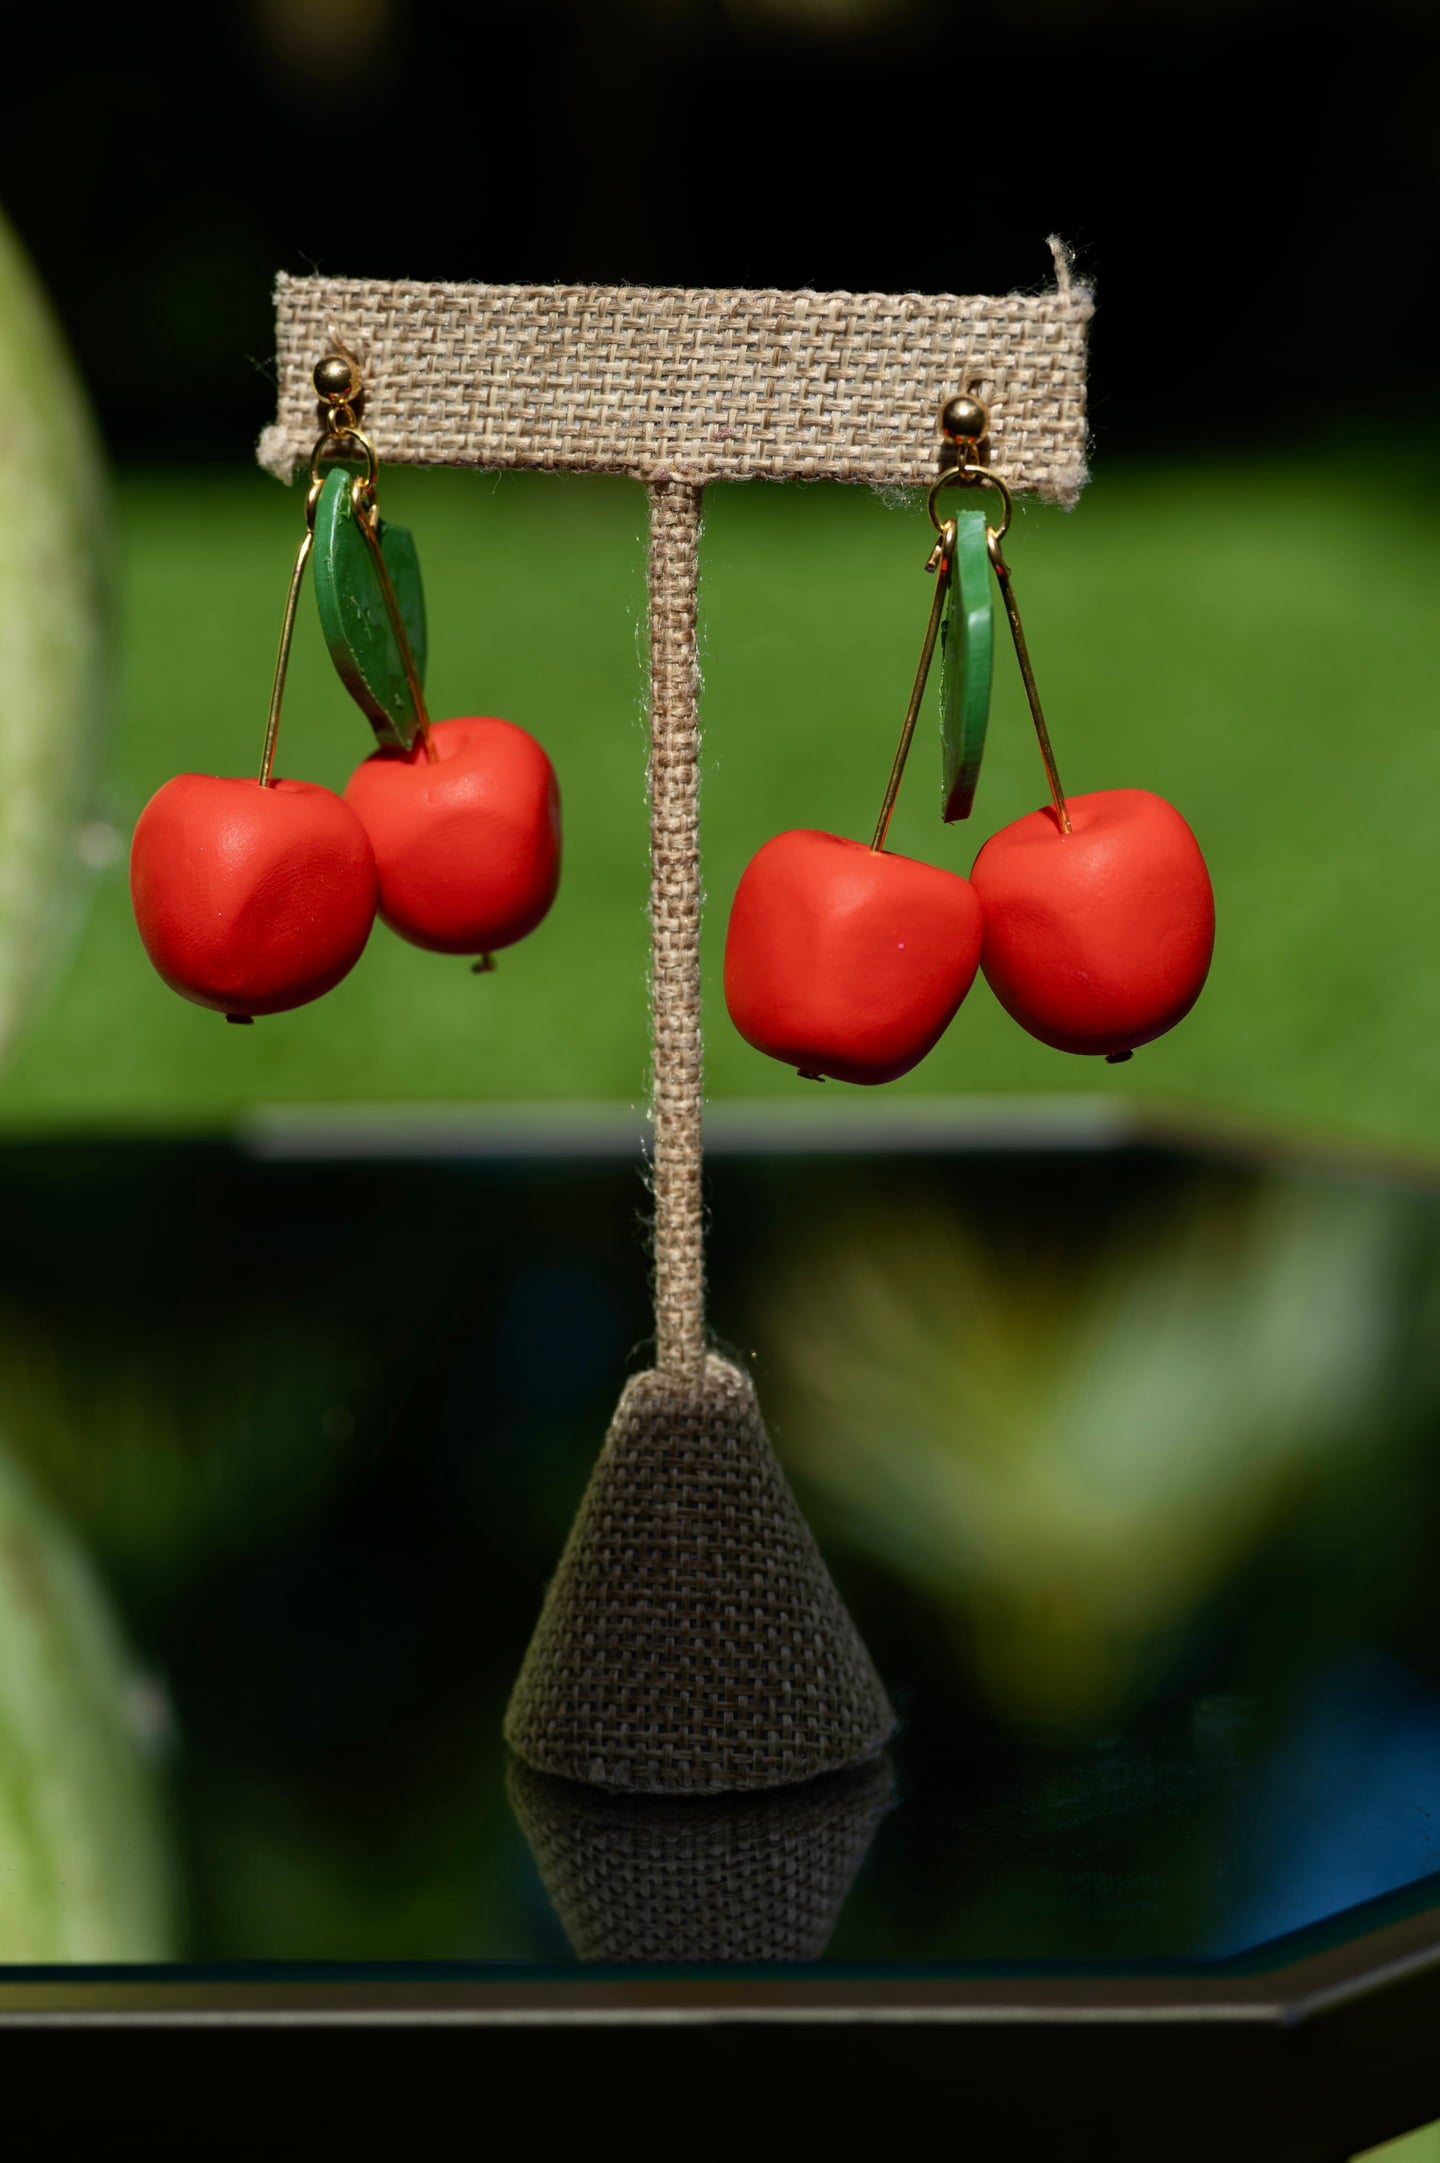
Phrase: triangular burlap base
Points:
(691, 1641)
(752, 1877)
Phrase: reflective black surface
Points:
(322, 1424)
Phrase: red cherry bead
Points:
(251, 900)
(846, 960)
(468, 848)
(1099, 940)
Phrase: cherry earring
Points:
(1099, 913)
(463, 815)
(843, 959)
(1096, 915)
(254, 897)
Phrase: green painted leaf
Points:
(967, 662)
(354, 615)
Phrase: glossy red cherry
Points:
(251, 900)
(1098, 940)
(468, 848)
(845, 960)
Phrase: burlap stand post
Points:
(691, 1641)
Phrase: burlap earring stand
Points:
(691, 1641)
(717, 1878)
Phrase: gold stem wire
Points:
(282, 658)
(1027, 673)
(941, 558)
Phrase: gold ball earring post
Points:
(965, 418)
(337, 380)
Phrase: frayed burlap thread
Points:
(692, 1640)
(738, 1878)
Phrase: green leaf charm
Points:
(355, 617)
(968, 652)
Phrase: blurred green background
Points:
(1219, 633)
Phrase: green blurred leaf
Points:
(84, 1874)
(55, 653)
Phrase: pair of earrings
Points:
(1093, 920)
(254, 898)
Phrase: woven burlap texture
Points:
(710, 385)
(691, 1640)
(749, 1877)
(677, 1079)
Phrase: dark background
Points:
(1249, 184)
(326, 1457)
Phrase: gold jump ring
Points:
(974, 476)
(337, 444)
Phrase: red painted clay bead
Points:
(1098, 940)
(845, 960)
(251, 900)
(468, 848)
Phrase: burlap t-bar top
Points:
(691, 1640)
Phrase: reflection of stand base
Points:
(692, 1641)
(756, 1877)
